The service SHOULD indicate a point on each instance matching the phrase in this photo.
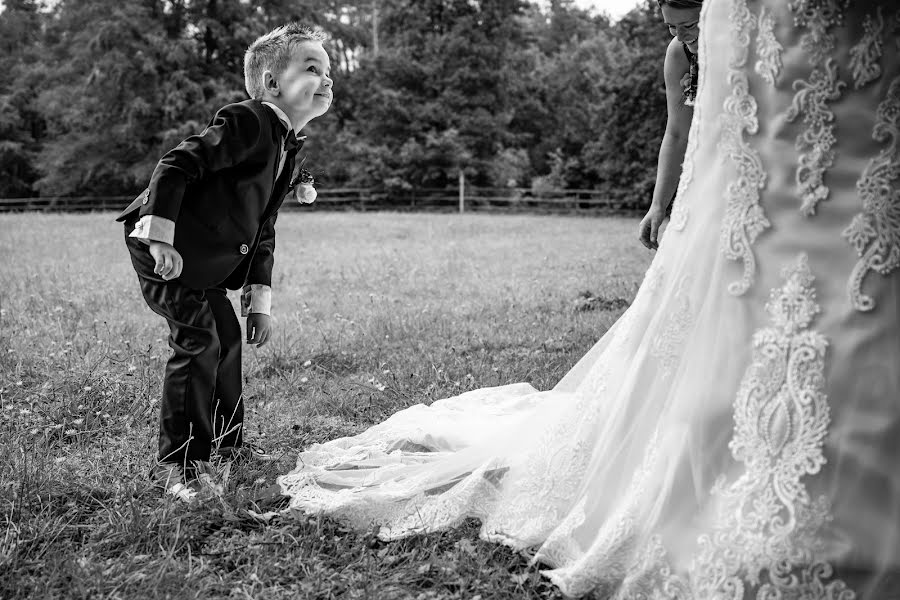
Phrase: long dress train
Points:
(735, 434)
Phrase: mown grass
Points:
(375, 312)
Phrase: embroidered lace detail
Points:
(744, 217)
(561, 548)
(545, 491)
(668, 346)
(766, 543)
(658, 581)
(768, 66)
(865, 55)
(679, 216)
(818, 16)
(767, 538)
(768, 526)
(815, 144)
(619, 564)
(653, 279)
(471, 497)
(875, 232)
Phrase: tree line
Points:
(92, 92)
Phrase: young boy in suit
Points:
(205, 224)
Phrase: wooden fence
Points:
(363, 199)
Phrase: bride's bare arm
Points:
(678, 124)
(671, 151)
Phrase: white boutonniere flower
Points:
(304, 190)
(305, 193)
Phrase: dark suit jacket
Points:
(219, 188)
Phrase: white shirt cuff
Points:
(260, 299)
(152, 228)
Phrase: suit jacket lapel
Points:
(281, 186)
(281, 183)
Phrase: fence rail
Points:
(438, 199)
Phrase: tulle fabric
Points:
(735, 434)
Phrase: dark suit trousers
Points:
(202, 407)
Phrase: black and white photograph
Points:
(450, 299)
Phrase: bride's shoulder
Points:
(676, 65)
(676, 59)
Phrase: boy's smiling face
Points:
(303, 89)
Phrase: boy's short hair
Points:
(681, 3)
(272, 52)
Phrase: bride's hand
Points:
(649, 228)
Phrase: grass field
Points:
(374, 312)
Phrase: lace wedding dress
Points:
(736, 434)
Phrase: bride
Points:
(735, 434)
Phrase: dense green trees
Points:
(93, 91)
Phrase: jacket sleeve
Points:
(229, 139)
(263, 260)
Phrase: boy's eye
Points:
(314, 69)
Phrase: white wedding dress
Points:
(736, 434)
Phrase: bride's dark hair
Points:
(681, 3)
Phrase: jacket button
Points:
(146, 198)
(244, 249)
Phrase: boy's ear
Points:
(270, 84)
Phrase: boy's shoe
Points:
(172, 478)
(185, 484)
(206, 477)
(245, 454)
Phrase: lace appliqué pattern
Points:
(768, 65)
(769, 526)
(766, 543)
(865, 55)
(875, 232)
(818, 16)
(544, 511)
(619, 563)
(815, 144)
(668, 345)
(678, 218)
(545, 490)
(653, 278)
(744, 218)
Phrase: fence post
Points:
(462, 191)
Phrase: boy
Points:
(205, 224)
